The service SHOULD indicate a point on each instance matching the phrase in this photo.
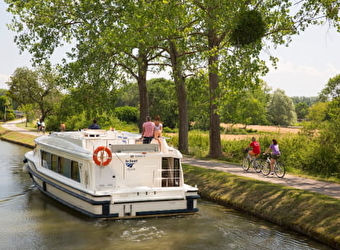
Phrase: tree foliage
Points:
(6, 110)
(247, 106)
(331, 90)
(163, 101)
(38, 88)
(116, 41)
(162, 96)
(318, 112)
(281, 109)
(301, 110)
(304, 99)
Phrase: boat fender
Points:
(25, 168)
(98, 156)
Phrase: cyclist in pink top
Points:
(148, 130)
(274, 147)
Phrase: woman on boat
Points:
(158, 127)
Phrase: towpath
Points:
(12, 125)
(326, 188)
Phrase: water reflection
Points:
(31, 220)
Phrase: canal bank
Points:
(312, 214)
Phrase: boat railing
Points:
(94, 133)
(169, 177)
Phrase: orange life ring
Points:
(98, 156)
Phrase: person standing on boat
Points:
(148, 130)
(94, 125)
(62, 127)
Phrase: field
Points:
(274, 129)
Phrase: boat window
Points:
(46, 159)
(61, 165)
(54, 163)
(75, 171)
(65, 167)
(170, 172)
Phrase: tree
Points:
(38, 88)
(301, 110)
(162, 96)
(308, 100)
(28, 110)
(6, 108)
(127, 114)
(3, 92)
(332, 89)
(318, 112)
(117, 40)
(127, 95)
(247, 106)
(281, 109)
(163, 101)
(233, 32)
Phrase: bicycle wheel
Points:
(265, 168)
(257, 166)
(279, 170)
(245, 164)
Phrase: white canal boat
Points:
(109, 174)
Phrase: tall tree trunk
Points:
(144, 108)
(181, 99)
(183, 116)
(215, 149)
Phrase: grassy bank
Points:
(314, 215)
(19, 138)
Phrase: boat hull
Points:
(103, 206)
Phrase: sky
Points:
(304, 67)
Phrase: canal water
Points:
(30, 220)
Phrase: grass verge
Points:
(314, 215)
(18, 138)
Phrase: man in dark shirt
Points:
(94, 125)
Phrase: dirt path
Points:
(12, 125)
(322, 187)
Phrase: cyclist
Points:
(255, 148)
(274, 147)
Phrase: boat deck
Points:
(118, 142)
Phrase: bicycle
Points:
(279, 168)
(249, 160)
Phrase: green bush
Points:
(127, 114)
(80, 121)
(169, 130)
